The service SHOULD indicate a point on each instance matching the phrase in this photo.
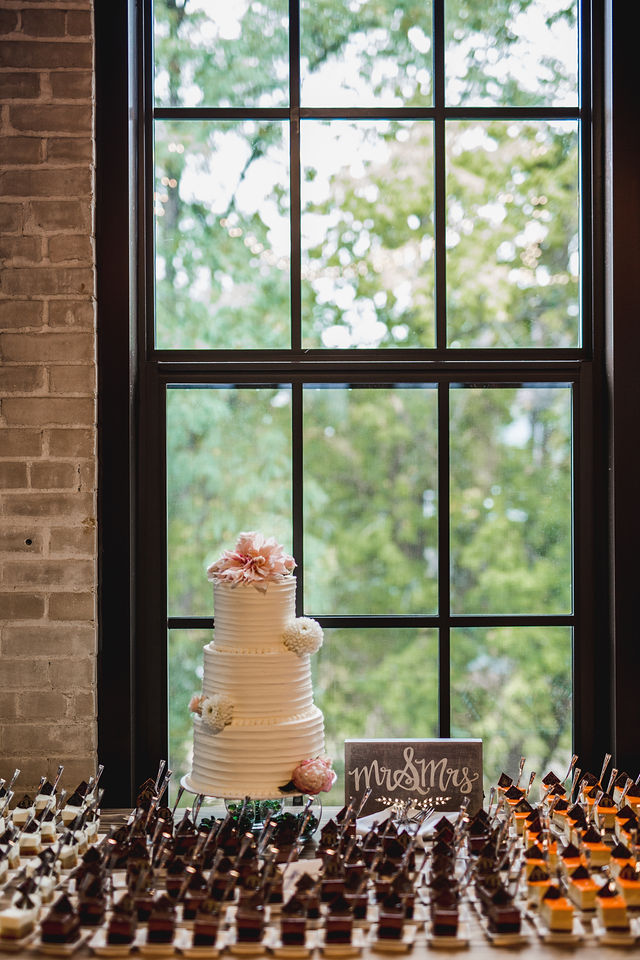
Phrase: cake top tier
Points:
(255, 560)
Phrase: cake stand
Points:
(286, 811)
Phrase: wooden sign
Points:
(442, 771)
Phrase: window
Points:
(368, 328)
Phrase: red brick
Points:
(20, 313)
(20, 540)
(9, 706)
(19, 86)
(21, 379)
(67, 149)
(70, 505)
(72, 606)
(43, 23)
(18, 442)
(43, 705)
(51, 641)
(73, 541)
(51, 474)
(50, 738)
(79, 442)
(27, 249)
(72, 86)
(79, 380)
(16, 674)
(72, 674)
(51, 117)
(79, 23)
(10, 216)
(71, 247)
(56, 215)
(21, 606)
(71, 313)
(50, 574)
(47, 56)
(20, 149)
(46, 281)
(12, 474)
(47, 346)
(50, 182)
(8, 21)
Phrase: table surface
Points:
(478, 948)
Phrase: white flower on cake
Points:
(217, 712)
(254, 561)
(303, 635)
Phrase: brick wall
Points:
(47, 391)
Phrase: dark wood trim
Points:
(622, 352)
(116, 359)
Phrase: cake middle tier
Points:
(259, 684)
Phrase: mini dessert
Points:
(444, 913)
(250, 920)
(92, 901)
(293, 923)
(61, 924)
(24, 810)
(68, 854)
(18, 920)
(582, 889)
(338, 925)
(628, 883)
(606, 812)
(206, 923)
(533, 857)
(559, 814)
(162, 921)
(556, 912)
(538, 882)
(48, 831)
(611, 909)
(633, 798)
(74, 805)
(503, 914)
(122, 925)
(194, 895)
(30, 840)
(391, 918)
(620, 857)
(597, 851)
(570, 858)
(521, 810)
(307, 889)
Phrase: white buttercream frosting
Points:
(275, 723)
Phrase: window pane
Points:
(512, 687)
(370, 500)
(375, 683)
(222, 235)
(228, 469)
(513, 234)
(511, 53)
(511, 500)
(213, 54)
(365, 53)
(367, 234)
(184, 679)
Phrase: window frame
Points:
(133, 377)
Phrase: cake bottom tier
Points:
(253, 759)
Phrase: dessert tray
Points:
(165, 882)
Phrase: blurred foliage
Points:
(370, 494)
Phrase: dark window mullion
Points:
(439, 175)
(297, 492)
(444, 565)
(294, 173)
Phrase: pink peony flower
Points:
(314, 776)
(195, 704)
(254, 560)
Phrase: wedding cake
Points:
(256, 729)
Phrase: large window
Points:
(367, 327)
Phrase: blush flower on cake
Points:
(303, 635)
(311, 776)
(255, 560)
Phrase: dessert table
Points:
(477, 946)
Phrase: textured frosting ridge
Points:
(275, 723)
